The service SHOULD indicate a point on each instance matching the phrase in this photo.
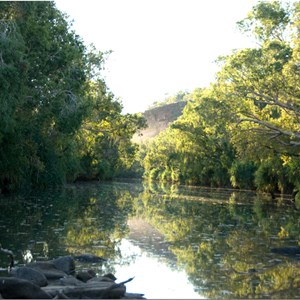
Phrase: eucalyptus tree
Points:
(260, 84)
(44, 95)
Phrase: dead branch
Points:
(114, 286)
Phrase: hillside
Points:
(158, 120)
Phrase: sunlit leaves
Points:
(266, 20)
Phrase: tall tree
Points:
(260, 83)
(50, 85)
(260, 86)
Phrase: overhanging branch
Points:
(277, 130)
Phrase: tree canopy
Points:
(52, 93)
(59, 120)
(242, 131)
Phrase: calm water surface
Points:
(177, 242)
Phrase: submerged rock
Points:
(48, 269)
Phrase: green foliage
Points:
(194, 149)
(244, 130)
(50, 88)
(105, 136)
(59, 121)
(242, 174)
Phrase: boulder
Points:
(56, 279)
(110, 276)
(70, 281)
(33, 275)
(16, 288)
(48, 269)
(115, 293)
(65, 264)
(85, 275)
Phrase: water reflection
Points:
(27, 256)
(216, 243)
(153, 276)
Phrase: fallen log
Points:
(112, 291)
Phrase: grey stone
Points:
(48, 269)
(30, 274)
(85, 275)
(16, 288)
(70, 281)
(65, 264)
(110, 276)
(97, 290)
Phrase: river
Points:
(177, 242)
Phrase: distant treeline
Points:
(178, 97)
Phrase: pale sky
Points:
(159, 46)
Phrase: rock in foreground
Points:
(58, 279)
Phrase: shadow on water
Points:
(221, 240)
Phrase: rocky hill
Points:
(158, 119)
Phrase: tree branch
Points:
(273, 101)
(273, 128)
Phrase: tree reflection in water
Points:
(221, 239)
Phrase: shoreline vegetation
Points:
(60, 122)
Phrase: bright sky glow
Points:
(159, 46)
(153, 277)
